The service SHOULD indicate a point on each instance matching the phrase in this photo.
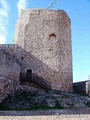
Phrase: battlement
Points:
(10, 51)
(8, 47)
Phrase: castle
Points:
(41, 55)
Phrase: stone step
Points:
(36, 80)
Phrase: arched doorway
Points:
(29, 74)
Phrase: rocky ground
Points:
(34, 100)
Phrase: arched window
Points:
(52, 37)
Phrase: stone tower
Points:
(45, 38)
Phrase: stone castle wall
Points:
(45, 35)
(10, 68)
(82, 87)
(42, 44)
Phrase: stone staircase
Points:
(36, 80)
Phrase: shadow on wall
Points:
(44, 84)
(15, 63)
(10, 68)
(40, 73)
(82, 87)
(10, 65)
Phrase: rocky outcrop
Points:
(52, 99)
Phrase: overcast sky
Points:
(79, 13)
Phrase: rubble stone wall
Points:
(82, 87)
(46, 36)
(10, 68)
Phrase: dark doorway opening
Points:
(29, 74)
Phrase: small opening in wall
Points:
(50, 49)
(29, 74)
(22, 58)
(52, 37)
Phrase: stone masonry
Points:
(46, 36)
(41, 52)
(82, 87)
(10, 68)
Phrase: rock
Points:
(66, 103)
(50, 102)
(39, 100)
(26, 100)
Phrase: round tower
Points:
(45, 36)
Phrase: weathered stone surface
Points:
(9, 64)
(10, 68)
(27, 100)
(1, 87)
(82, 87)
(45, 36)
(42, 45)
(50, 102)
